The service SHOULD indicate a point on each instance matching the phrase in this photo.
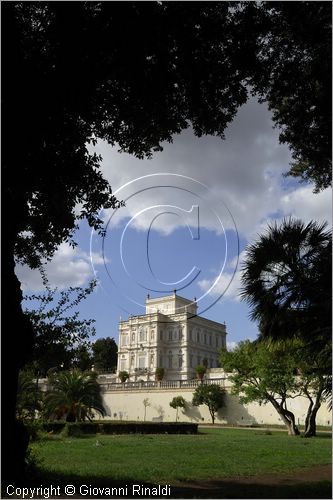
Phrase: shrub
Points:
(159, 373)
(200, 370)
(123, 375)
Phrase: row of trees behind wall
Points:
(101, 355)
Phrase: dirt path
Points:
(304, 483)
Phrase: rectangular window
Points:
(123, 364)
(142, 336)
(124, 339)
(191, 336)
(170, 361)
(142, 362)
(170, 334)
(216, 341)
(191, 360)
(161, 335)
(180, 362)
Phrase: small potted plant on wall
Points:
(159, 373)
(201, 370)
(123, 375)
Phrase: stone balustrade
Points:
(164, 384)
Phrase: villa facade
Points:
(170, 335)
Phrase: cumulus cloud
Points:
(228, 284)
(69, 267)
(243, 175)
(304, 204)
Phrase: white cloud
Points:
(244, 172)
(231, 345)
(228, 284)
(69, 267)
(304, 204)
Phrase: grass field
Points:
(212, 454)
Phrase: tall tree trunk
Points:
(17, 341)
(287, 416)
(311, 427)
(310, 420)
(308, 413)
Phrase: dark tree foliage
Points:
(133, 74)
(29, 396)
(292, 73)
(287, 282)
(82, 359)
(61, 337)
(105, 354)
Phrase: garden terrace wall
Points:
(125, 402)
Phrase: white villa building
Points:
(172, 336)
(169, 335)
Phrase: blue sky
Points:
(190, 212)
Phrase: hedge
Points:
(116, 427)
(148, 428)
(53, 427)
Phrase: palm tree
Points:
(287, 281)
(28, 395)
(74, 394)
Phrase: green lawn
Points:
(212, 454)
